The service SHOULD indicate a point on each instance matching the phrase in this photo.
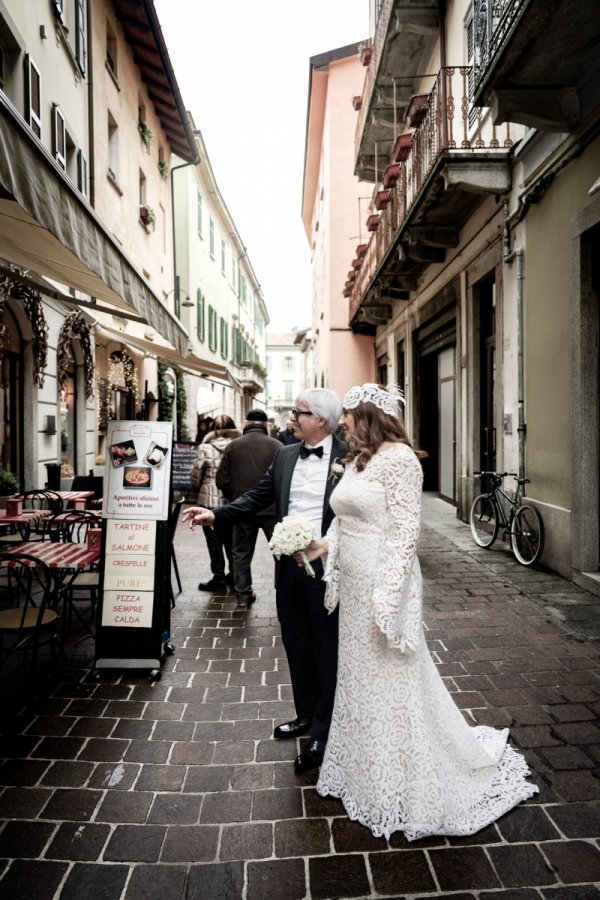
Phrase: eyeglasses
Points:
(300, 412)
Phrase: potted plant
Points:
(8, 485)
(146, 133)
(147, 216)
(163, 169)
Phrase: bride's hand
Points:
(315, 549)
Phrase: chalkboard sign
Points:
(184, 454)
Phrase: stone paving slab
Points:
(123, 789)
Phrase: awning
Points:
(190, 363)
(48, 227)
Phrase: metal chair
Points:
(27, 622)
(72, 527)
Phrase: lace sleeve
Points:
(397, 595)
(331, 572)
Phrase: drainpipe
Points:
(90, 91)
(509, 256)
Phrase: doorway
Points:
(487, 374)
(437, 416)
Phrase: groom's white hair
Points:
(323, 403)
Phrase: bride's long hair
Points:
(372, 428)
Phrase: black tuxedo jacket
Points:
(275, 487)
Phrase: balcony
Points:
(537, 63)
(405, 34)
(457, 158)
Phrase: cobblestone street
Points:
(122, 789)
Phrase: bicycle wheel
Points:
(527, 535)
(484, 520)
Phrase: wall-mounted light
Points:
(50, 427)
(188, 301)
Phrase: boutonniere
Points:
(337, 470)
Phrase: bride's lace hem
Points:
(508, 788)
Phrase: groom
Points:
(300, 483)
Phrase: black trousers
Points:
(218, 540)
(245, 532)
(310, 638)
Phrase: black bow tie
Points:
(306, 451)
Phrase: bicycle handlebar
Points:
(503, 475)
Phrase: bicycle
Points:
(523, 524)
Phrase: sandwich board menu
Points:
(134, 608)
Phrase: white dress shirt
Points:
(307, 490)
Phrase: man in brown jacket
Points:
(242, 466)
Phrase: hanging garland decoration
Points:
(182, 429)
(121, 373)
(75, 327)
(165, 395)
(10, 286)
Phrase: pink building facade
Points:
(332, 213)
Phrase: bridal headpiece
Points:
(387, 399)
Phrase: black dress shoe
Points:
(218, 585)
(311, 758)
(292, 729)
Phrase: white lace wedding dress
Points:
(400, 755)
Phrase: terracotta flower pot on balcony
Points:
(373, 223)
(365, 55)
(417, 110)
(356, 263)
(382, 199)
(352, 275)
(402, 147)
(361, 250)
(357, 102)
(391, 174)
(347, 292)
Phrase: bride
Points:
(400, 755)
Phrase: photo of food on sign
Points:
(156, 454)
(123, 453)
(137, 477)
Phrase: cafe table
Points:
(76, 499)
(22, 522)
(65, 561)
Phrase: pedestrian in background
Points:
(243, 464)
(203, 477)
(286, 435)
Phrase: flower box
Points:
(356, 263)
(391, 175)
(373, 222)
(382, 199)
(365, 55)
(361, 250)
(357, 102)
(347, 292)
(418, 108)
(402, 147)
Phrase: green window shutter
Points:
(200, 315)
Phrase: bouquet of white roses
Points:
(290, 536)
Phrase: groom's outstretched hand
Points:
(198, 515)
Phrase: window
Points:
(233, 271)
(211, 238)
(243, 289)
(288, 363)
(59, 142)
(224, 336)
(111, 51)
(142, 188)
(33, 96)
(212, 328)
(288, 390)
(82, 173)
(223, 256)
(199, 204)
(200, 315)
(80, 34)
(113, 148)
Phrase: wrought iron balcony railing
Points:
(493, 21)
(371, 75)
(451, 127)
